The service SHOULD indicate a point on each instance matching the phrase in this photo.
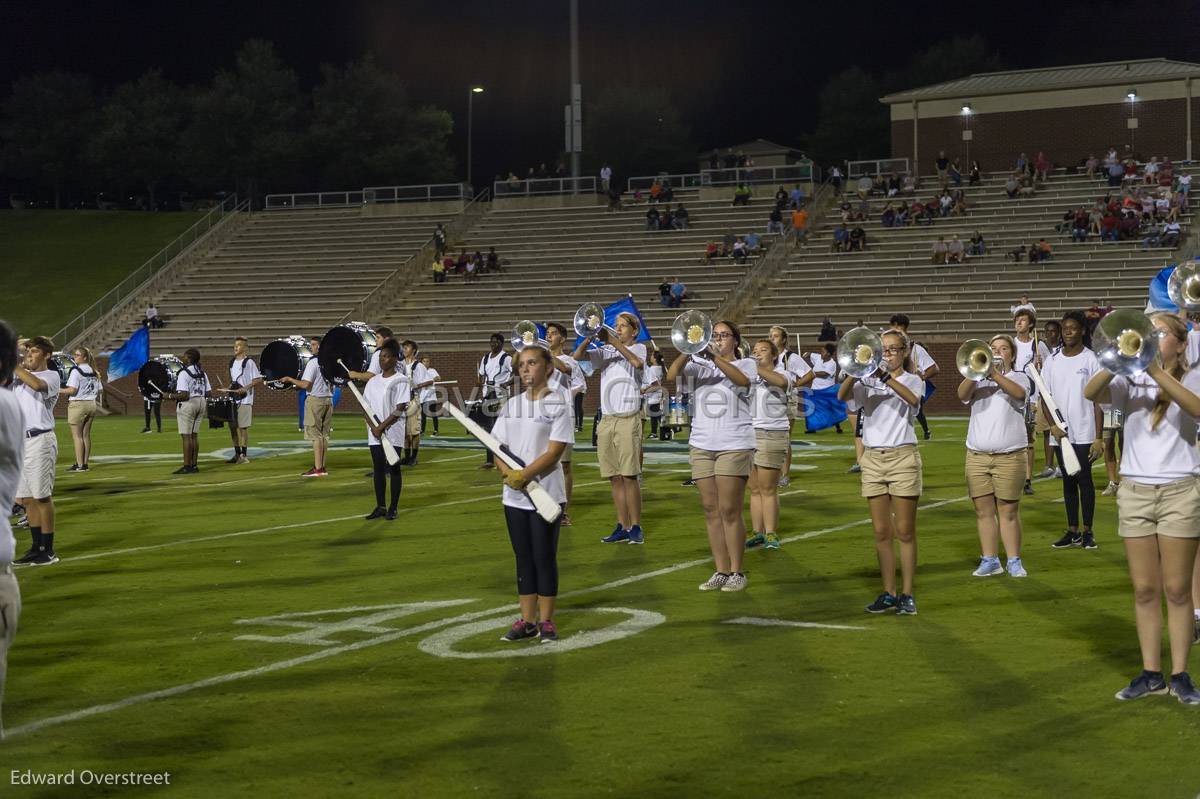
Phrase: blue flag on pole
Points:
(822, 409)
(132, 355)
(611, 312)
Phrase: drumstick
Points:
(156, 388)
(389, 449)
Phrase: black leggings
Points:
(921, 414)
(429, 410)
(579, 411)
(535, 543)
(382, 470)
(654, 411)
(1079, 490)
(147, 404)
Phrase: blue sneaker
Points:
(618, 535)
(1016, 568)
(755, 541)
(1183, 690)
(906, 605)
(635, 535)
(988, 566)
(1145, 684)
(772, 541)
(882, 604)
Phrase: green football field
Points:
(248, 632)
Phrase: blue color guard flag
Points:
(611, 312)
(822, 409)
(132, 355)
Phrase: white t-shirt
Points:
(1024, 354)
(385, 395)
(827, 365)
(245, 372)
(922, 358)
(1193, 347)
(997, 421)
(192, 381)
(575, 382)
(429, 393)
(312, 374)
(721, 416)
(496, 371)
(417, 374)
(373, 367)
(527, 426)
(87, 383)
(620, 383)
(1065, 377)
(887, 419)
(794, 363)
(1156, 456)
(37, 407)
(12, 454)
(770, 402)
(651, 375)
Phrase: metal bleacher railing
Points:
(424, 192)
(74, 331)
(878, 166)
(801, 172)
(540, 186)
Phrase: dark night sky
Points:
(737, 71)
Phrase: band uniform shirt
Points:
(526, 427)
(1193, 347)
(650, 375)
(496, 371)
(887, 419)
(793, 362)
(87, 384)
(245, 372)
(312, 374)
(373, 367)
(429, 393)
(575, 382)
(384, 395)
(827, 365)
(37, 407)
(922, 358)
(997, 424)
(770, 402)
(1163, 455)
(193, 382)
(620, 383)
(417, 374)
(722, 419)
(1065, 376)
(12, 455)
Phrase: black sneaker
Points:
(182, 470)
(1028, 489)
(547, 632)
(1183, 690)
(193, 470)
(927, 435)
(882, 604)
(1145, 684)
(84, 468)
(234, 459)
(906, 605)
(378, 513)
(688, 482)
(74, 467)
(27, 558)
(520, 630)
(1089, 541)
(44, 558)
(147, 430)
(391, 515)
(1069, 539)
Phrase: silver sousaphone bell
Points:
(860, 352)
(691, 331)
(974, 359)
(1184, 286)
(589, 319)
(525, 334)
(1126, 341)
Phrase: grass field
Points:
(83, 253)
(157, 643)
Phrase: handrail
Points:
(68, 336)
(876, 166)
(801, 172)
(425, 192)
(367, 306)
(365, 196)
(690, 180)
(541, 186)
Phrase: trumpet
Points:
(974, 360)
(589, 319)
(691, 332)
(1126, 341)
(1184, 286)
(525, 334)
(860, 352)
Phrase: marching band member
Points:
(1158, 503)
(191, 388)
(36, 394)
(12, 452)
(652, 393)
(619, 434)
(771, 386)
(83, 389)
(536, 426)
(495, 377)
(995, 464)
(568, 378)
(318, 409)
(419, 381)
(794, 363)
(428, 397)
(824, 371)
(388, 394)
(243, 377)
(1065, 375)
(891, 465)
(721, 446)
(927, 367)
(1024, 323)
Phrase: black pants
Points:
(1079, 490)
(921, 415)
(535, 543)
(382, 470)
(579, 412)
(596, 426)
(156, 405)
(429, 411)
(654, 411)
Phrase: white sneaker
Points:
(988, 567)
(1016, 568)
(1111, 490)
(715, 582)
(785, 481)
(1047, 472)
(1058, 472)
(735, 582)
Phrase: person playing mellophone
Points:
(771, 387)
(419, 382)
(244, 377)
(996, 446)
(318, 409)
(388, 394)
(568, 378)
(191, 389)
(1032, 352)
(1158, 502)
(36, 388)
(83, 391)
(494, 376)
(792, 362)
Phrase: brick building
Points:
(1068, 112)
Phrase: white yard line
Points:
(755, 621)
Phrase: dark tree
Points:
(637, 131)
(45, 126)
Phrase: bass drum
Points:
(285, 357)
(62, 363)
(352, 343)
(160, 370)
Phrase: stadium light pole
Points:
(473, 90)
(967, 133)
(1131, 96)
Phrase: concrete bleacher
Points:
(283, 272)
(558, 259)
(957, 301)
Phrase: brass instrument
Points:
(1184, 286)
(525, 334)
(860, 352)
(974, 360)
(691, 332)
(589, 319)
(1126, 341)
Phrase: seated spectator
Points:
(679, 293)
(893, 185)
(888, 217)
(1171, 234)
(1040, 252)
(153, 320)
(858, 239)
(864, 187)
(917, 215)
(933, 209)
(1091, 166)
(941, 165)
(976, 173)
(651, 219)
(1153, 236)
(1162, 206)
(1023, 305)
(1022, 163)
(667, 194)
(955, 173)
(781, 198)
(828, 331)
(1012, 186)
(656, 191)
(1041, 166)
(1068, 220)
(796, 198)
(954, 250)
(753, 242)
(1110, 226)
(1129, 226)
(1116, 172)
(681, 219)
(711, 251)
(727, 243)
(493, 260)
(841, 238)
(1131, 170)
(460, 266)
(959, 205)
(472, 270)
(945, 203)
(939, 251)
(1150, 172)
(908, 185)
(1184, 183)
(1080, 225)
(664, 293)
(1017, 253)
(741, 195)
(976, 246)
(439, 270)
(800, 225)
(1166, 173)
(666, 220)
(1028, 186)
(614, 198)
(879, 184)
(740, 251)
(775, 221)
(901, 216)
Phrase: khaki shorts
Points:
(793, 405)
(318, 418)
(189, 415)
(619, 445)
(724, 463)
(1172, 509)
(1000, 474)
(37, 467)
(10, 613)
(567, 452)
(245, 415)
(1040, 423)
(894, 470)
(770, 448)
(80, 412)
(412, 419)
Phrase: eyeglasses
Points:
(892, 350)
(722, 335)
